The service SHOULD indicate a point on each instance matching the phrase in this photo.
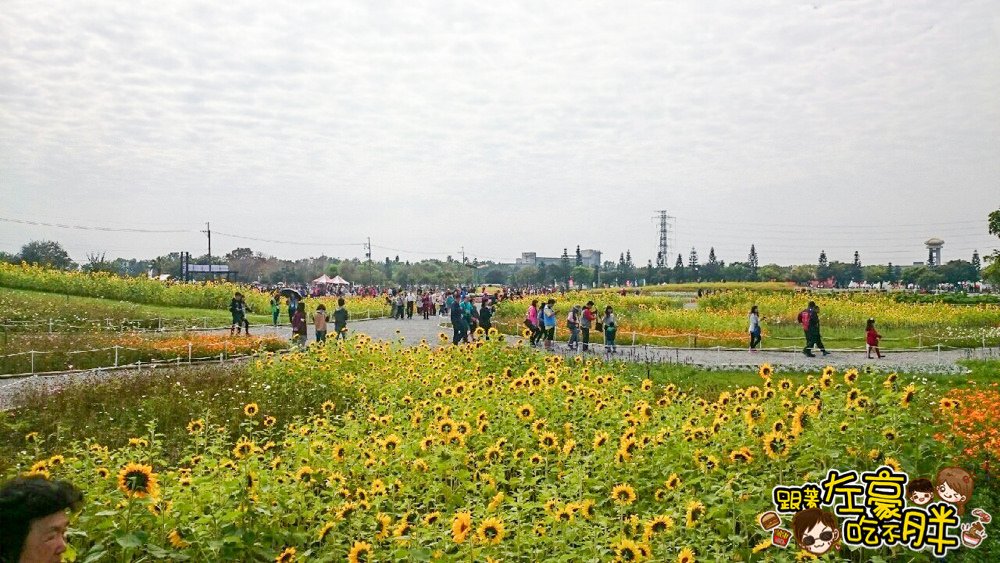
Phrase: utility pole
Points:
(368, 256)
(208, 230)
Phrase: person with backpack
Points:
(573, 324)
(809, 319)
(486, 316)
(340, 317)
(238, 308)
(460, 329)
(587, 318)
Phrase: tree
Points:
(958, 271)
(97, 263)
(579, 256)
(930, 257)
(752, 262)
(495, 275)
(803, 273)
(525, 275)
(992, 272)
(678, 274)
(582, 275)
(693, 260)
(823, 267)
(47, 253)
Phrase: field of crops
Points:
(720, 319)
(486, 452)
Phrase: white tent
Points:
(340, 281)
(324, 279)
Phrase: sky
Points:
(434, 127)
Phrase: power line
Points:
(92, 228)
(297, 243)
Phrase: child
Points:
(920, 491)
(872, 336)
(319, 320)
(299, 334)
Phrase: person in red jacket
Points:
(872, 337)
(586, 321)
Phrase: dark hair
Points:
(534, 302)
(812, 304)
(301, 306)
(321, 307)
(920, 486)
(753, 309)
(26, 499)
(589, 303)
(340, 301)
(871, 324)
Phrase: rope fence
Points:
(693, 339)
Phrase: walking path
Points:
(412, 331)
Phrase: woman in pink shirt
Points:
(531, 321)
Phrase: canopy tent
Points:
(324, 279)
(339, 281)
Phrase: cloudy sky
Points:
(502, 127)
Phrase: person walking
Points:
(459, 328)
(809, 319)
(549, 322)
(531, 321)
(275, 308)
(410, 300)
(425, 305)
(610, 323)
(586, 321)
(292, 306)
(300, 331)
(486, 316)
(319, 323)
(872, 337)
(573, 324)
(239, 311)
(754, 328)
(340, 317)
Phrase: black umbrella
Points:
(289, 292)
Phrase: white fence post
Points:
(116, 355)
(50, 326)
(220, 358)
(189, 352)
(32, 361)
(633, 338)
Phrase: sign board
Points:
(209, 268)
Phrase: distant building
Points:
(934, 247)
(589, 256)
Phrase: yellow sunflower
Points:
(775, 445)
(360, 552)
(623, 494)
(693, 512)
(176, 540)
(196, 426)
(286, 556)
(686, 556)
(138, 480)
(491, 531)
(251, 409)
(627, 550)
(460, 526)
(765, 371)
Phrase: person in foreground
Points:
(33, 519)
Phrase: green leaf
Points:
(130, 540)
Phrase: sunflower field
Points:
(720, 319)
(485, 452)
